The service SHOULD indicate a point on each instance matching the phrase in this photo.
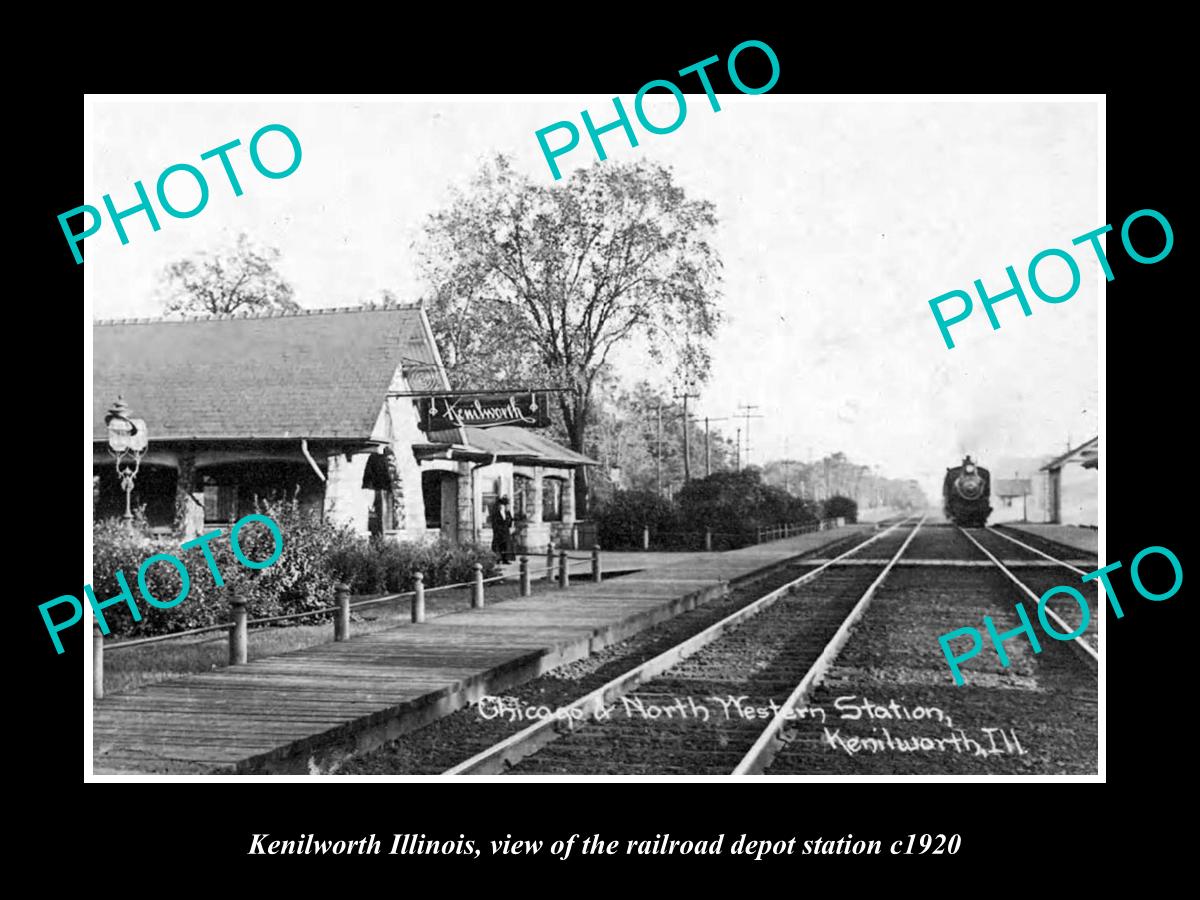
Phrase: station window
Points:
(552, 495)
(431, 492)
(491, 493)
(522, 496)
(220, 502)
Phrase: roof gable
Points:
(1087, 454)
(313, 374)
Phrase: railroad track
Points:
(709, 705)
(1062, 610)
(1036, 715)
(766, 647)
(1044, 545)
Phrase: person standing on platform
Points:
(502, 530)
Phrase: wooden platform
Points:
(303, 711)
(1085, 539)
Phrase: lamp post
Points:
(127, 442)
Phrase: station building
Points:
(1072, 490)
(1011, 499)
(318, 405)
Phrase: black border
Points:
(1146, 470)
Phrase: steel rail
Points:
(993, 530)
(1079, 643)
(533, 737)
(760, 755)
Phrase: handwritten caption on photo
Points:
(982, 742)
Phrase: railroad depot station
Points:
(337, 407)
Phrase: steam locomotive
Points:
(965, 494)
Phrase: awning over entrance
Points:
(501, 443)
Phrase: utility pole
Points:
(747, 416)
(708, 441)
(787, 468)
(707, 451)
(658, 455)
(737, 459)
(687, 445)
(687, 448)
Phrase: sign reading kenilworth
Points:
(483, 411)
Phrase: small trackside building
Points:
(316, 405)
(1072, 491)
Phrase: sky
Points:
(838, 222)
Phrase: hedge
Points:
(620, 520)
(316, 555)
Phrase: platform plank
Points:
(301, 711)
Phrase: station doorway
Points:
(439, 489)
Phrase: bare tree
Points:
(241, 277)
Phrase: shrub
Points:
(736, 504)
(619, 522)
(301, 579)
(382, 565)
(316, 555)
(841, 506)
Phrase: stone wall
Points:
(466, 503)
(345, 500)
(189, 502)
(533, 534)
(405, 433)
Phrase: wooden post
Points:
(526, 587)
(574, 535)
(341, 616)
(708, 539)
(550, 561)
(477, 592)
(646, 537)
(418, 600)
(97, 661)
(597, 575)
(238, 636)
(564, 577)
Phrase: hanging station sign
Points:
(529, 410)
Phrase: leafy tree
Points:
(623, 435)
(537, 283)
(240, 277)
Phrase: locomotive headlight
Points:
(969, 468)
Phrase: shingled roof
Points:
(1012, 487)
(311, 374)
